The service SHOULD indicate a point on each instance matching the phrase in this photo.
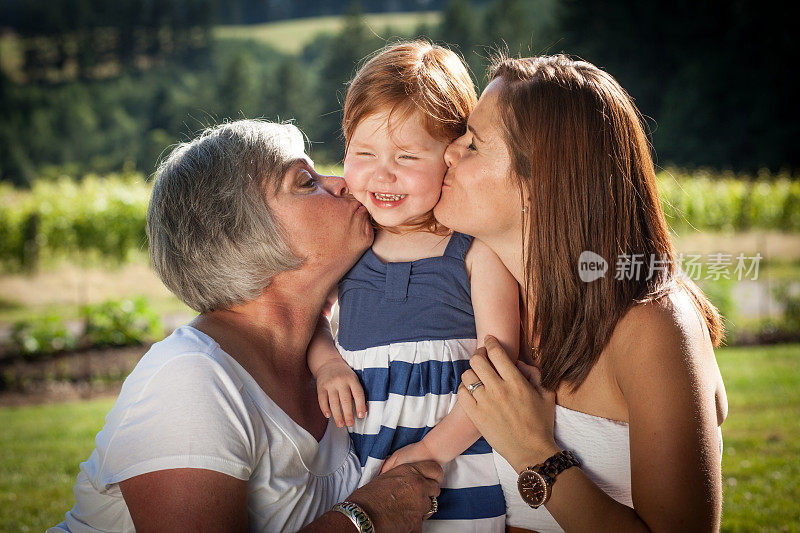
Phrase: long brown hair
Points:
(413, 77)
(581, 155)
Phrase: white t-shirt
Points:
(188, 404)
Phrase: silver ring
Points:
(434, 508)
(474, 386)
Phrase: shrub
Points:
(42, 335)
(110, 323)
(121, 323)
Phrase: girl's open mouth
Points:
(387, 200)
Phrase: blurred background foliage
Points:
(93, 93)
(93, 86)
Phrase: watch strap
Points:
(554, 465)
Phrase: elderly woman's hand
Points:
(400, 499)
(511, 409)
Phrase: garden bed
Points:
(66, 376)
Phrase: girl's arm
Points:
(495, 298)
(338, 387)
(495, 301)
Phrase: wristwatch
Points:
(535, 483)
(356, 514)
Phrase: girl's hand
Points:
(338, 389)
(512, 411)
(414, 452)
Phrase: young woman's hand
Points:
(338, 391)
(511, 409)
(416, 451)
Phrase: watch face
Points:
(533, 488)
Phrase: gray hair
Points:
(213, 241)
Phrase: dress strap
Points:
(398, 276)
(458, 246)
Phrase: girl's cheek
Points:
(354, 175)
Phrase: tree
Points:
(508, 23)
(236, 87)
(461, 28)
(713, 77)
(339, 63)
(460, 25)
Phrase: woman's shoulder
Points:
(665, 339)
(184, 381)
(673, 318)
(185, 356)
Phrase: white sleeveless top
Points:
(603, 448)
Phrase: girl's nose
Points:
(385, 173)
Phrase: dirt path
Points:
(772, 245)
(67, 376)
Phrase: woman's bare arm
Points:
(204, 501)
(186, 499)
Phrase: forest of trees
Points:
(104, 86)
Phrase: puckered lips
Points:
(387, 200)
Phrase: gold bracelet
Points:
(356, 515)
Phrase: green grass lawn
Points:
(42, 447)
(762, 438)
(292, 35)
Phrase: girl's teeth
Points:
(389, 197)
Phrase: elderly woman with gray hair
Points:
(218, 428)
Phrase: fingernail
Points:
(327, 415)
(361, 414)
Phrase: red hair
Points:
(409, 77)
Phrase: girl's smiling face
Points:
(395, 168)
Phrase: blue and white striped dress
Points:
(408, 330)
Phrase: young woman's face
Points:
(479, 195)
(395, 169)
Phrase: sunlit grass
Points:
(762, 438)
(292, 35)
(42, 447)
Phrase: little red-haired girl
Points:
(418, 303)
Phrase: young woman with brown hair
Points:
(624, 403)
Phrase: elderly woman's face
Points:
(324, 224)
(479, 195)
